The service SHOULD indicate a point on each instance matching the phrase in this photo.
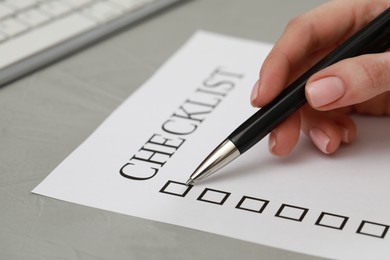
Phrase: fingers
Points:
(284, 138)
(327, 130)
(349, 82)
(318, 29)
(378, 106)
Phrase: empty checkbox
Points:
(214, 196)
(291, 212)
(331, 220)
(176, 188)
(372, 229)
(252, 204)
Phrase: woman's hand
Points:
(359, 84)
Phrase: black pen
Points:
(373, 38)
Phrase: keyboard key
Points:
(33, 17)
(129, 4)
(2, 37)
(19, 4)
(77, 3)
(42, 38)
(5, 11)
(102, 12)
(12, 27)
(54, 8)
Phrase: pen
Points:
(373, 38)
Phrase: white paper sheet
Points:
(331, 206)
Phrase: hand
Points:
(359, 84)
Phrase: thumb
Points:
(349, 82)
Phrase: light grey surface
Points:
(45, 116)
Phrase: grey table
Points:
(46, 115)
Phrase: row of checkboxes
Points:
(286, 211)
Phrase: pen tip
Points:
(190, 182)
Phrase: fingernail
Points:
(255, 92)
(271, 142)
(320, 139)
(325, 91)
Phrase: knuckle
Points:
(303, 27)
(375, 74)
(296, 23)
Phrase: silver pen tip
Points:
(190, 182)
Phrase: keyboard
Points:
(34, 33)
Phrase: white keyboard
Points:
(34, 33)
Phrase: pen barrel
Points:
(266, 119)
(374, 38)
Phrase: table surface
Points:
(46, 115)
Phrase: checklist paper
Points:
(138, 159)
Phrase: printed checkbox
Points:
(214, 196)
(291, 212)
(331, 220)
(252, 204)
(372, 229)
(176, 188)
